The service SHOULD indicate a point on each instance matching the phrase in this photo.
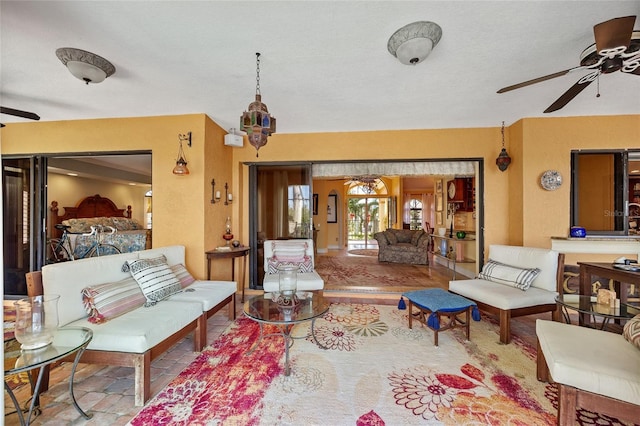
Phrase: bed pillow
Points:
(155, 278)
(109, 300)
(510, 275)
(274, 264)
(185, 278)
(631, 331)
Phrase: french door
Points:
(364, 218)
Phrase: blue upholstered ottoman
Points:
(433, 304)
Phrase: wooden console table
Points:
(229, 254)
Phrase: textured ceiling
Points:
(324, 65)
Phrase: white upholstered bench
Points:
(594, 369)
(507, 301)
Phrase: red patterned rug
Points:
(366, 273)
(376, 371)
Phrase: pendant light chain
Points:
(502, 134)
(258, 74)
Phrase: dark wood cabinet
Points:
(465, 193)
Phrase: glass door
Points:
(363, 220)
(23, 199)
(280, 208)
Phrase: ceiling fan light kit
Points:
(85, 66)
(412, 43)
(616, 48)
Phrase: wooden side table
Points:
(229, 254)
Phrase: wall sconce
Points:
(503, 159)
(228, 198)
(181, 164)
(215, 195)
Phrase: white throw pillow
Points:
(510, 275)
(155, 278)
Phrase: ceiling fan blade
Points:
(18, 113)
(614, 33)
(570, 94)
(537, 80)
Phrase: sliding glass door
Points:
(280, 206)
(23, 200)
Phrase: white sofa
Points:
(507, 301)
(137, 337)
(307, 281)
(593, 369)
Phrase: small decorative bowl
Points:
(461, 235)
(578, 232)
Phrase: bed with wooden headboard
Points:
(97, 210)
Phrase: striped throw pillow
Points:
(510, 275)
(155, 278)
(109, 300)
(185, 278)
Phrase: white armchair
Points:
(297, 251)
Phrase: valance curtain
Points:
(404, 168)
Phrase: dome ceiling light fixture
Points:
(84, 65)
(412, 43)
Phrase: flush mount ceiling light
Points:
(84, 65)
(412, 43)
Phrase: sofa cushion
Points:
(143, 328)
(185, 278)
(501, 296)
(109, 300)
(304, 265)
(416, 236)
(530, 257)
(207, 293)
(509, 275)
(155, 278)
(391, 236)
(631, 330)
(593, 360)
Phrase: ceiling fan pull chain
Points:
(598, 85)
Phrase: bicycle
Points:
(60, 249)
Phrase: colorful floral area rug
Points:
(375, 371)
(367, 274)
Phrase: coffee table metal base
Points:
(285, 332)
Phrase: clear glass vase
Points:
(287, 281)
(36, 321)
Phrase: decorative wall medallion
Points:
(551, 180)
(452, 190)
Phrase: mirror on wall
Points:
(604, 199)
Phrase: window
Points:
(298, 202)
(604, 199)
(415, 214)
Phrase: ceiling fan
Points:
(617, 47)
(18, 113)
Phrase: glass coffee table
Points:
(588, 310)
(66, 341)
(264, 310)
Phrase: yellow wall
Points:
(517, 209)
(182, 213)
